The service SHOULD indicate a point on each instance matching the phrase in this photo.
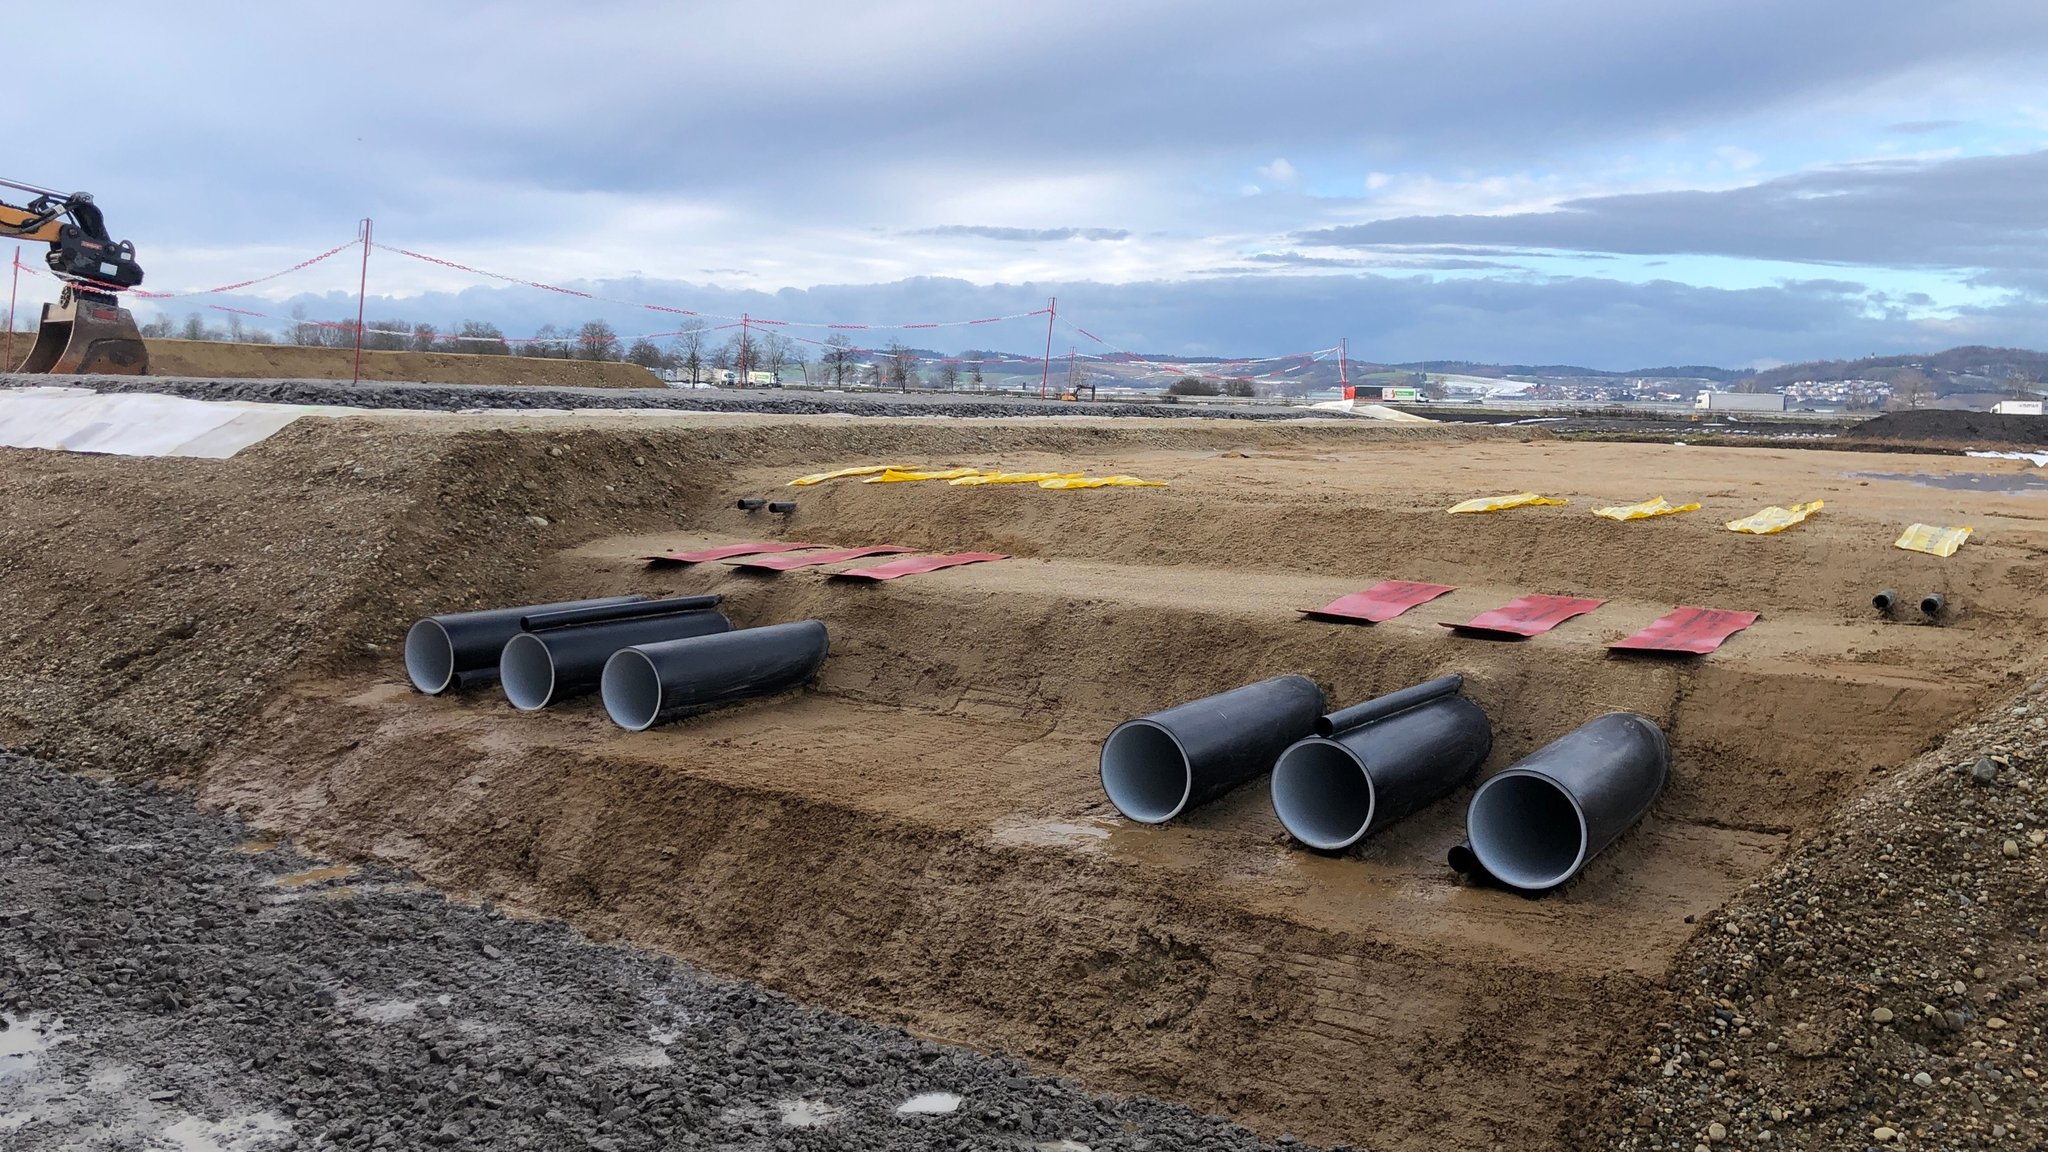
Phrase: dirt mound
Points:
(219, 359)
(1963, 429)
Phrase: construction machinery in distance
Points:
(86, 330)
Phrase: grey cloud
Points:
(1597, 322)
(1923, 127)
(990, 232)
(1980, 212)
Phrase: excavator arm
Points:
(87, 330)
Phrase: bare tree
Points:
(837, 358)
(976, 378)
(548, 343)
(949, 374)
(871, 375)
(686, 349)
(646, 355)
(1911, 388)
(774, 347)
(596, 341)
(902, 366)
(481, 339)
(423, 337)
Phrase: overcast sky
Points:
(1606, 182)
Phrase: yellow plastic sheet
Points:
(1012, 478)
(1932, 540)
(1657, 506)
(1775, 519)
(821, 477)
(1066, 482)
(1496, 503)
(905, 475)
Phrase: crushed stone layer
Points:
(452, 397)
(1883, 987)
(167, 982)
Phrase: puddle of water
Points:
(24, 1041)
(236, 1134)
(255, 847)
(1964, 481)
(929, 1104)
(315, 876)
(806, 1113)
(1047, 833)
(387, 1011)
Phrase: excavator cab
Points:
(86, 331)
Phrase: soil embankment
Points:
(1973, 429)
(920, 838)
(229, 361)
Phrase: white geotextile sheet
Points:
(139, 423)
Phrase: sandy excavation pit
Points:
(920, 838)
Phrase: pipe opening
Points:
(1322, 794)
(1526, 830)
(526, 670)
(1933, 603)
(632, 690)
(429, 657)
(1145, 772)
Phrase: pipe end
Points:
(1526, 830)
(430, 657)
(526, 671)
(1145, 772)
(1322, 794)
(631, 690)
(1885, 601)
(1933, 604)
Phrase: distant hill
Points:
(1973, 368)
(1564, 371)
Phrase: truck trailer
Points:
(1740, 402)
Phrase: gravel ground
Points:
(167, 983)
(443, 397)
(1884, 988)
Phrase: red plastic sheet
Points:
(1687, 631)
(726, 551)
(811, 559)
(1529, 616)
(1382, 601)
(915, 565)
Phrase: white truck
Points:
(1740, 402)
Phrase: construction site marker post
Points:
(362, 288)
(13, 290)
(1052, 313)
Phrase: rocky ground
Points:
(787, 402)
(166, 982)
(1884, 988)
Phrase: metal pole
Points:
(362, 287)
(7, 360)
(1052, 312)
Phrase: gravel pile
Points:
(1883, 988)
(166, 983)
(451, 397)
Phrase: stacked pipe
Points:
(650, 660)
(1341, 777)
(1373, 764)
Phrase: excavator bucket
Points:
(87, 337)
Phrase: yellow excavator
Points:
(86, 330)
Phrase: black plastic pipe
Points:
(1158, 766)
(752, 503)
(1330, 792)
(599, 613)
(646, 684)
(546, 667)
(1534, 825)
(1932, 604)
(461, 649)
(1380, 707)
(1885, 601)
(783, 506)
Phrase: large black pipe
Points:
(632, 610)
(461, 649)
(1158, 766)
(1380, 707)
(1534, 825)
(646, 684)
(549, 666)
(1330, 792)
